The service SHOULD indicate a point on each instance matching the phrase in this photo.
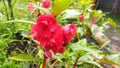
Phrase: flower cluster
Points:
(51, 35)
(69, 32)
(45, 4)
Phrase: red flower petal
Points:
(47, 54)
(81, 18)
(51, 35)
(69, 32)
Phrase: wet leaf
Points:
(60, 5)
(111, 22)
(23, 57)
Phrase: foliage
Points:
(86, 50)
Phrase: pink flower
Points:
(69, 32)
(47, 54)
(46, 3)
(31, 8)
(115, 66)
(93, 22)
(81, 18)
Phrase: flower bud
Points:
(46, 3)
(81, 18)
(30, 6)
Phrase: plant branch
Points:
(53, 64)
(11, 9)
(18, 21)
(44, 63)
(76, 61)
(14, 3)
(6, 9)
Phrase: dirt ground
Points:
(114, 35)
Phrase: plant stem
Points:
(11, 9)
(37, 65)
(53, 64)
(44, 63)
(76, 61)
(6, 9)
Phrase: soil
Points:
(114, 35)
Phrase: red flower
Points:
(56, 41)
(51, 35)
(69, 32)
(48, 33)
(81, 18)
(46, 3)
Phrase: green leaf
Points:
(94, 63)
(43, 9)
(23, 57)
(71, 13)
(15, 21)
(84, 3)
(111, 22)
(3, 43)
(114, 58)
(108, 61)
(60, 5)
(80, 46)
(87, 58)
(0, 14)
(83, 42)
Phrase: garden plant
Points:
(54, 34)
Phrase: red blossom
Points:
(46, 3)
(69, 32)
(48, 33)
(51, 35)
(81, 18)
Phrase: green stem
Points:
(6, 10)
(53, 64)
(11, 9)
(43, 9)
(14, 3)
(15, 21)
